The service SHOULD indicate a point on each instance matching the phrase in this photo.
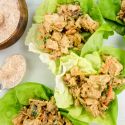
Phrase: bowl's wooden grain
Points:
(20, 28)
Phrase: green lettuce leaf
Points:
(109, 117)
(120, 29)
(47, 6)
(90, 7)
(18, 97)
(75, 122)
(110, 9)
(95, 42)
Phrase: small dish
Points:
(23, 19)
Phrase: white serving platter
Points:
(39, 72)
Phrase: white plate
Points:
(38, 72)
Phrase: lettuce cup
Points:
(62, 27)
(32, 104)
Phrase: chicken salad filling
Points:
(121, 14)
(62, 31)
(95, 92)
(41, 113)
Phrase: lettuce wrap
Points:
(89, 62)
(15, 99)
(111, 10)
(87, 7)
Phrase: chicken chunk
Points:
(75, 71)
(87, 91)
(18, 120)
(43, 33)
(70, 24)
(78, 23)
(99, 81)
(55, 55)
(118, 82)
(94, 110)
(65, 44)
(69, 10)
(31, 122)
(77, 39)
(51, 44)
(89, 24)
(54, 21)
(57, 36)
(112, 66)
(91, 102)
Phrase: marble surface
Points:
(39, 72)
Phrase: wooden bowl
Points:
(20, 28)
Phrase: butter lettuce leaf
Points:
(95, 42)
(110, 9)
(18, 97)
(120, 29)
(90, 7)
(47, 6)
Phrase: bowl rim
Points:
(15, 36)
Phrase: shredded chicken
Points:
(95, 92)
(61, 31)
(121, 14)
(111, 66)
(87, 23)
(40, 113)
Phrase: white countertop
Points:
(38, 72)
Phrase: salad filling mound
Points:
(41, 113)
(62, 31)
(121, 14)
(95, 92)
